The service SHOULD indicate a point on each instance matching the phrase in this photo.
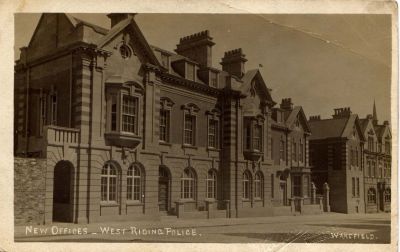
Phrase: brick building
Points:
(336, 149)
(131, 131)
(353, 156)
(377, 164)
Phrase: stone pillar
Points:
(180, 208)
(292, 206)
(228, 208)
(210, 208)
(313, 193)
(301, 204)
(327, 207)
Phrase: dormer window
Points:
(190, 73)
(213, 79)
(165, 60)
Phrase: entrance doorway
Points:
(163, 189)
(63, 192)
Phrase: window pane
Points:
(129, 114)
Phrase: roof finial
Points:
(374, 115)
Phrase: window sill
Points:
(186, 201)
(246, 200)
(164, 143)
(108, 204)
(213, 149)
(189, 146)
(257, 199)
(134, 203)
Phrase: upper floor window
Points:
(165, 115)
(109, 184)
(301, 152)
(189, 131)
(213, 133)
(134, 183)
(387, 147)
(282, 150)
(371, 143)
(211, 184)
(189, 127)
(123, 106)
(294, 151)
(129, 113)
(253, 132)
(164, 125)
(257, 138)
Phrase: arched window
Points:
(134, 183)
(211, 184)
(371, 196)
(246, 185)
(387, 194)
(258, 185)
(109, 185)
(188, 183)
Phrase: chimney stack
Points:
(287, 104)
(369, 117)
(386, 123)
(233, 62)
(315, 118)
(197, 47)
(118, 17)
(341, 112)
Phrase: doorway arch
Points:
(164, 189)
(63, 192)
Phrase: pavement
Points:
(323, 228)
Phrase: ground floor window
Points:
(211, 184)
(188, 182)
(246, 185)
(371, 195)
(297, 186)
(258, 185)
(109, 183)
(387, 194)
(134, 183)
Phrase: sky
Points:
(322, 61)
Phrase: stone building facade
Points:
(377, 164)
(131, 131)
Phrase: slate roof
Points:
(327, 128)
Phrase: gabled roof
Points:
(298, 111)
(122, 25)
(248, 78)
(335, 127)
(364, 123)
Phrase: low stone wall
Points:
(29, 190)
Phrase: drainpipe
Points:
(26, 112)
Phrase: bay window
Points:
(253, 137)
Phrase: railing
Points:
(61, 135)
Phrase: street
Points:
(325, 228)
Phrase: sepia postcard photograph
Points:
(214, 128)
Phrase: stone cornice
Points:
(202, 88)
(75, 47)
